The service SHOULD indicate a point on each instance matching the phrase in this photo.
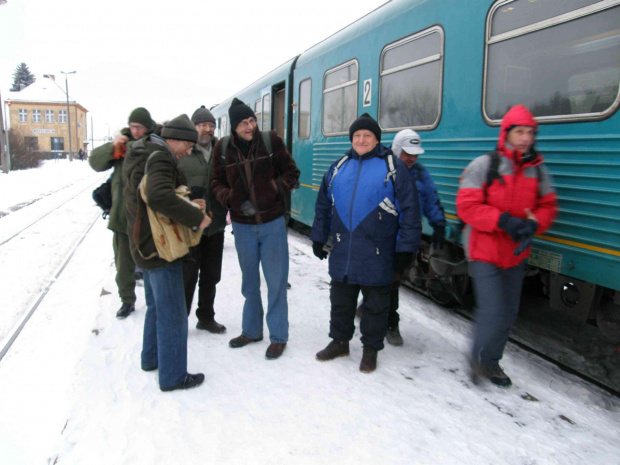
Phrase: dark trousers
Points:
(204, 261)
(125, 267)
(373, 325)
(498, 294)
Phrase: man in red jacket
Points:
(501, 220)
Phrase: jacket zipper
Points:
(359, 170)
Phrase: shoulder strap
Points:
(225, 141)
(493, 172)
(336, 168)
(267, 141)
(391, 174)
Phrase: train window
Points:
(339, 98)
(259, 113)
(266, 126)
(224, 126)
(305, 92)
(560, 59)
(411, 81)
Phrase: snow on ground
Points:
(72, 392)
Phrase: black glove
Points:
(317, 249)
(438, 238)
(527, 232)
(511, 225)
(402, 260)
(248, 208)
(197, 192)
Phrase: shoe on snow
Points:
(393, 336)
(493, 373)
(188, 382)
(333, 350)
(125, 310)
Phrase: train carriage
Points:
(450, 70)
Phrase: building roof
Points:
(44, 90)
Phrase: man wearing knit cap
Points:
(368, 205)
(252, 182)
(112, 155)
(164, 343)
(204, 260)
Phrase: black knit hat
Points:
(365, 122)
(237, 112)
(202, 115)
(142, 116)
(180, 128)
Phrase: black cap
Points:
(365, 121)
(180, 128)
(202, 115)
(237, 112)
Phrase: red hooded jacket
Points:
(527, 185)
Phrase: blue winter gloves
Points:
(527, 232)
(317, 249)
(519, 230)
(438, 239)
(402, 260)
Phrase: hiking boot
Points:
(125, 310)
(212, 326)
(493, 373)
(241, 341)
(190, 381)
(333, 350)
(274, 350)
(369, 360)
(393, 336)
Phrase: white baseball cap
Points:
(409, 141)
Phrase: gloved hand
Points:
(511, 225)
(402, 260)
(248, 208)
(438, 239)
(527, 232)
(317, 249)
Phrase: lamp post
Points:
(68, 112)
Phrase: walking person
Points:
(502, 213)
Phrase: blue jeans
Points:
(164, 343)
(267, 244)
(498, 294)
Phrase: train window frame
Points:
(309, 80)
(266, 115)
(224, 125)
(258, 113)
(560, 19)
(436, 29)
(354, 83)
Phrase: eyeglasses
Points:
(210, 126)
(188, 145)
(136, 126)
(245, 124)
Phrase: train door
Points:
(279, 100)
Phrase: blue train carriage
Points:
(450, 70)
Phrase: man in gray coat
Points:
(204, 260)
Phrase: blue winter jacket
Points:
(427, 193)
(369, 216)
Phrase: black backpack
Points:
(103, 197)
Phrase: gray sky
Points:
(168, 56)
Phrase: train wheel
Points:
(449, 291)
(608, 320)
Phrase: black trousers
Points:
(373, 325)
(203, 265)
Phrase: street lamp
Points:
(68, 112)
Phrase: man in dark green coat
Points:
(206, 258)
(112, 155)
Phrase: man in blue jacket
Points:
(369, 206)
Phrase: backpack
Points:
(103, 197)
(389, 161)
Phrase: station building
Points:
(38, 114)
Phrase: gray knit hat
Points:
(180, 128)
(202, 115)
(142, 116)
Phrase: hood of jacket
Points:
(518, 115)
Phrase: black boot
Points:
(190, 381)
(125, 310)
(369, 360)
(333, 350)
(212, 326)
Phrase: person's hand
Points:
(512, 225)
(206, 221)
(120, 139)
(526, 232)
(317, 249)
(402, 260)
(438, 238)
(201, 203)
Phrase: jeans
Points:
(164, 343)
(498, 294)
(264, 244)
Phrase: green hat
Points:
(142, 116)
(180, 128)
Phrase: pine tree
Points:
(22, 77)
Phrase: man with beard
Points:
(204, 260)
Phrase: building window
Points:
(340, 98)
(266, 126)
(560, 59)
(411, 81)
(23, 115)
(305, 92)
(62, 116)
(259, 114)
(58, 144)
(36, 116)
(49, 116)
(31, 143)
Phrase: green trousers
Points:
(125, 268)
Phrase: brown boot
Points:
(275, 349)
(369, 360)
(333, 350)
(241, 341)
